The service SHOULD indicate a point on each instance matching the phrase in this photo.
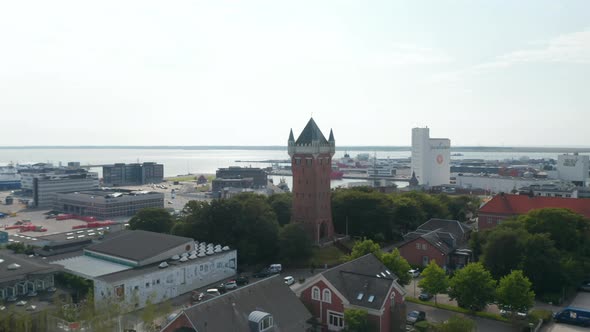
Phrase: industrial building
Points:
(430, 158)
(106, 204)
(574, 168)
(135, 174)
(258, 175)
(47, 185)
(132, 266)
(20, 275)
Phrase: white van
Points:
(275, 268)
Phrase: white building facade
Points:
(573, 167)
(430, 158)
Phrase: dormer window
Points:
(266, 323)
(360, 296)
(371, 298)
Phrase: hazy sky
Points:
(245, 72)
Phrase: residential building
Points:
(132, 266)
(363, 283)
(258, 176)
(135, 174)
(503, 206)
(46, 186)
(430, 158)
(266, 305)
(556, 189)
(20, 275)
(311, 163)
(106, 204)
(442, 241)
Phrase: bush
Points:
(552, 298)
(537, 314)
(422, 326)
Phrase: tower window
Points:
(309, 162)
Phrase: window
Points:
(327, 296)
(308, 162)
(418, 246)
(266, 323)
(335, 320)
(371, 298)
(315, 293)
(424, 246)
(147, 285)
(360, 296)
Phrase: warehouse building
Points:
(106, 204)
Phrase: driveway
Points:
(582, 300)
(440, 315)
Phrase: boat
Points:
(283, 185)
(457, 155)
(9, 178)
(336, 175)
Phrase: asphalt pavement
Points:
(437, 315)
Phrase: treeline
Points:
(364, 212)
(257, 226)
(550, 246)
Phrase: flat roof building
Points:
(46, 186)
(258, 175)
(135, 174)
(20, 275)
(107, 204)
(132, 266)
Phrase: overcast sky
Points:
(512, 73)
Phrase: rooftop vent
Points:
(175, 257)
(163, 265)
(184, 259)
(226, 248)
(1, 261)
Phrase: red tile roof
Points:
(520, 204)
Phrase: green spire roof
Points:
(311, 133)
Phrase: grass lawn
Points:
(182, 178)
(328, 255)
(449, 307)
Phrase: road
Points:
(582, 300)
(440, 315)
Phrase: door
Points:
(425, 260)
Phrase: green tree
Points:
(541, 264)
(148, 314)
(456, 324)
(364, 247)
(282, 204)
(504, 251)
(408, 214)
(473, 287)
(434, 280)
(152, 219)
(567, 229)
(295, 246)
(398, 265)
(363, 212)
(357, 320)
(514, 291)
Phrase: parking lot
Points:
(582, 300)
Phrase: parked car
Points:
(275, 268)
(221, 288)
(21, 303)
(573, 315)
(213, 291)
(262, 274)
(32, 293)
(585, 286)
(51, 289)
(12, 299)
(242, 280)
(415, 316)
(32, 307)
(2, 308)
(425, 296)
(507, 312)
(231, 285)
(289, 280)
(415, 273)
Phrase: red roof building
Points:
(504, 206)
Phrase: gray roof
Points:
(360, 276)
(444, 234)
(311, 133)
(28, 266)
(138, 245)
(230, 311)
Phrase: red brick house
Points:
(440, 240)
(363, 283)
(504, 206)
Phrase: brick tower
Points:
(311, 162)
